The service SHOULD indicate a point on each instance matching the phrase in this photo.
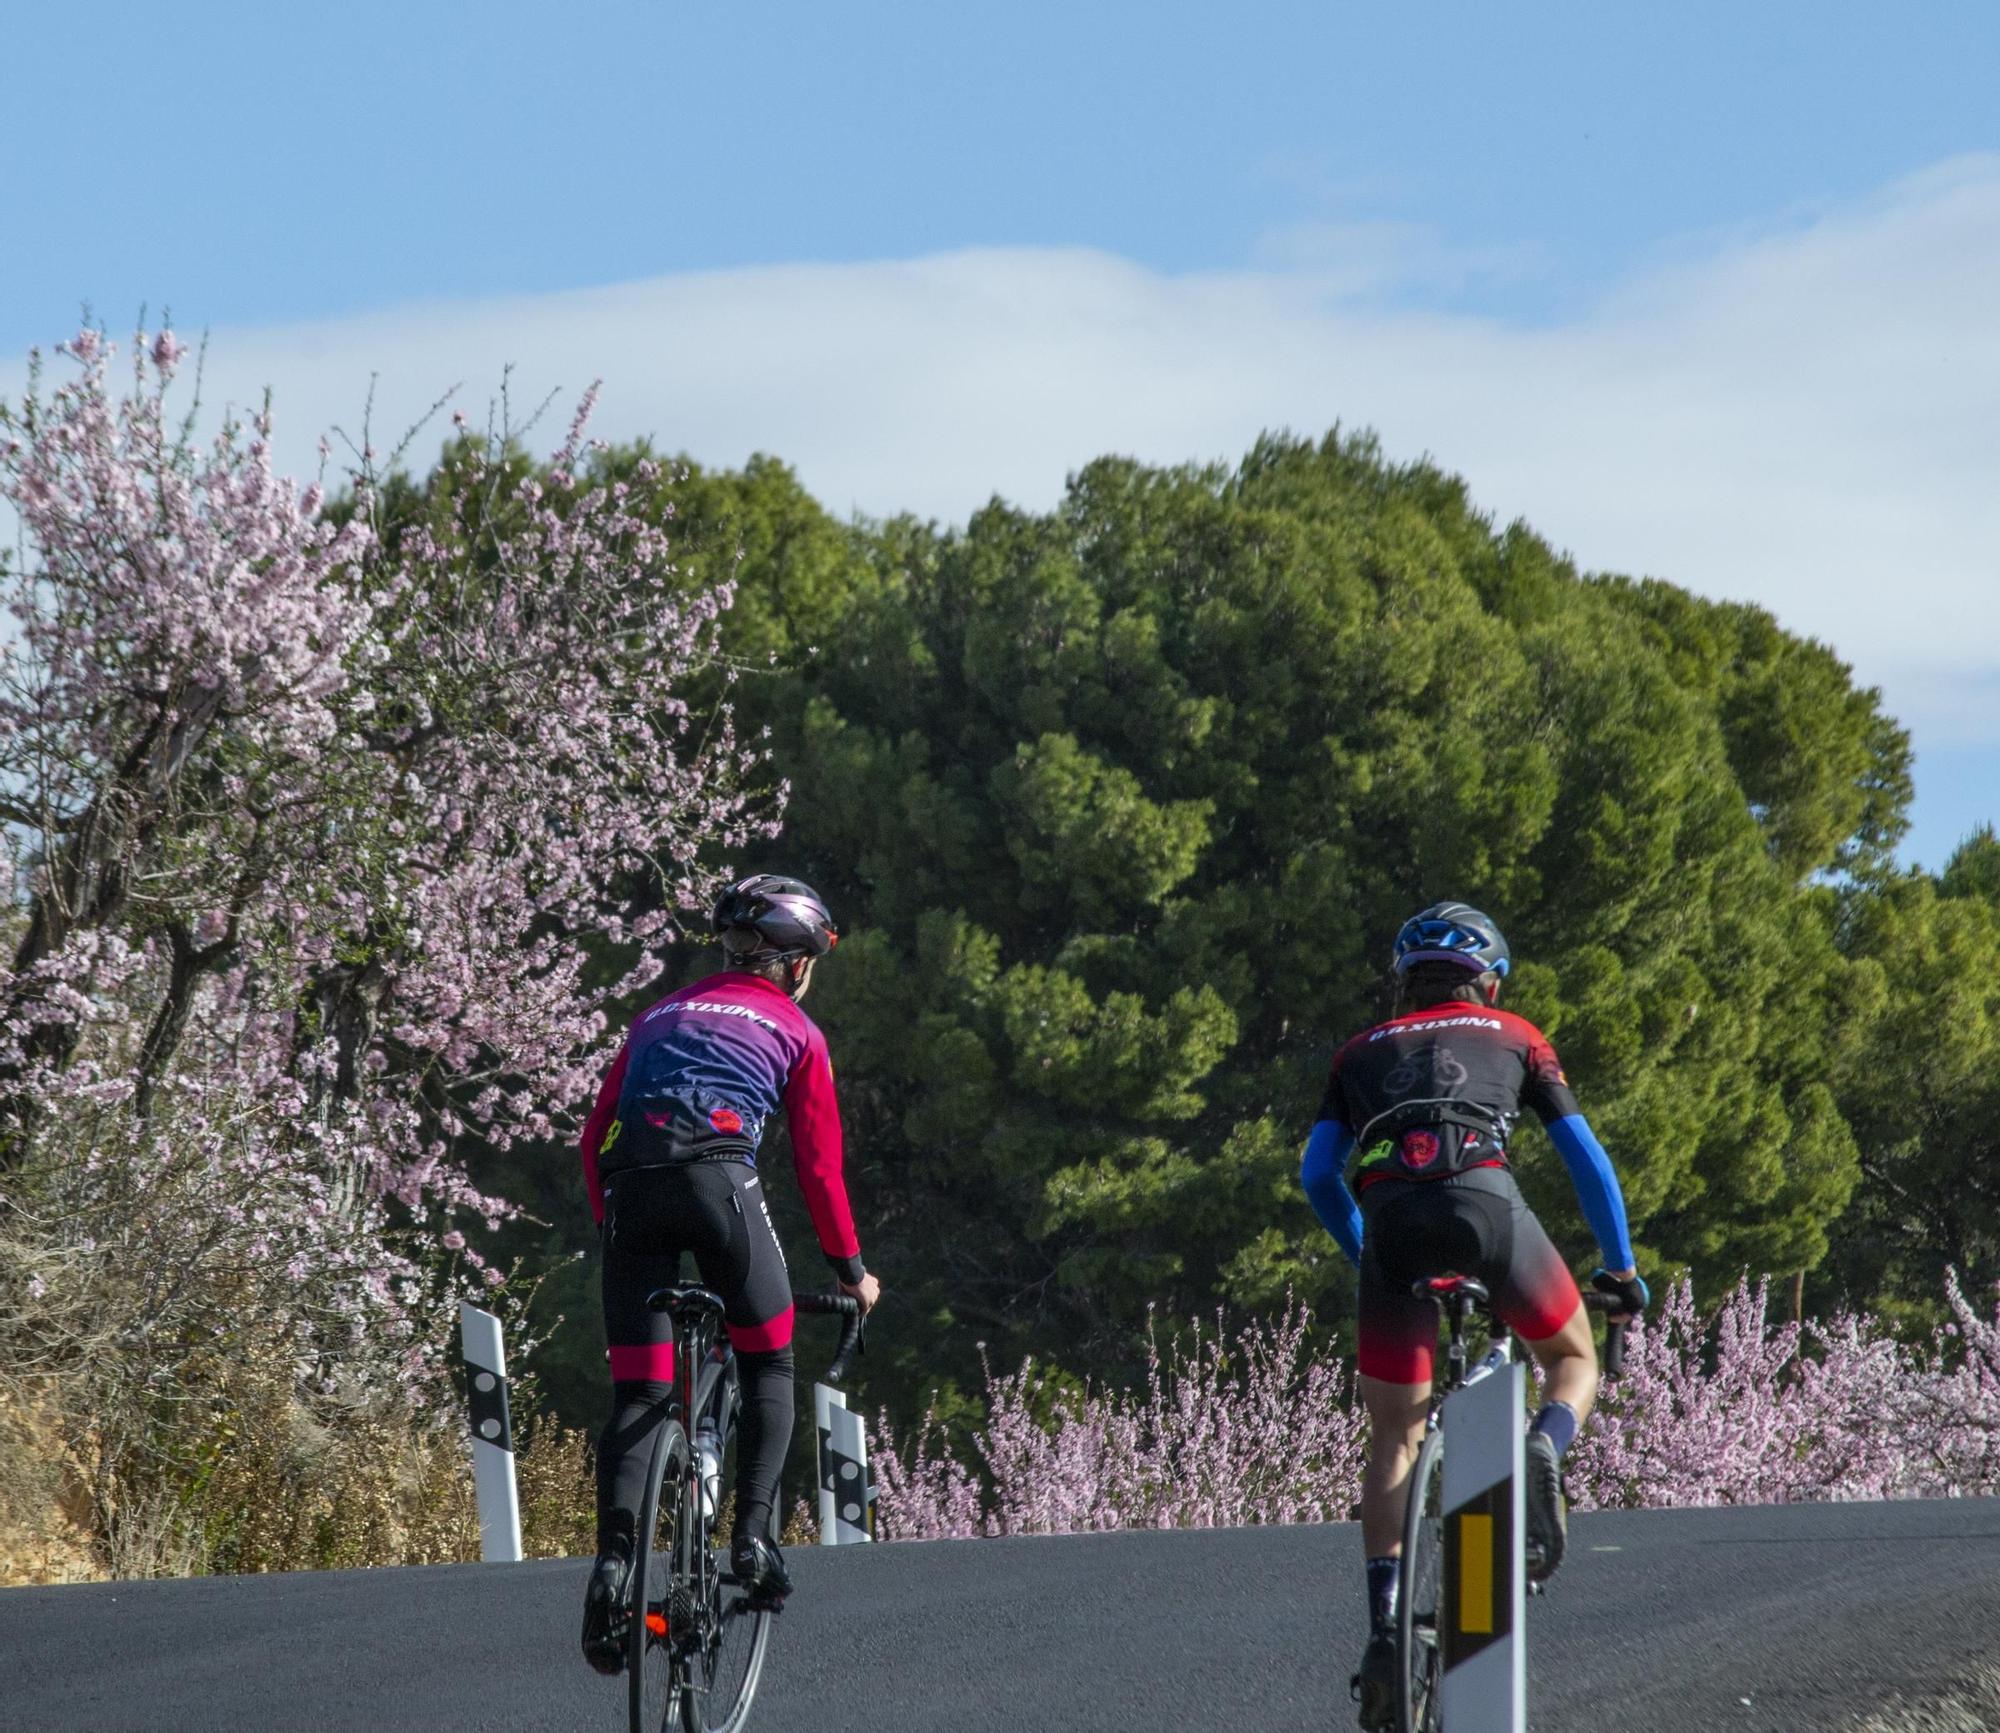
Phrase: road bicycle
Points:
(697, 1639)
(1419, 1663)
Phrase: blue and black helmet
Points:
(1451, 933)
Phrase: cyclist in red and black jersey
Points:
(1408, 1169)
(669, 1158)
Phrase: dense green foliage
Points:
(1923, 1098)
(1120, 804)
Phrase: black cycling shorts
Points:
(1473, 1224)
(715, 1210)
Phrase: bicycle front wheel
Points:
(664, 1611)
(1420, 1668)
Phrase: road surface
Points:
(1765, 1620)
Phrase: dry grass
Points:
(174, 1402)
(44, 1537)
(326, 1486)
(264, 1479)
(558, 1489)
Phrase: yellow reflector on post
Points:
(1475, 1573)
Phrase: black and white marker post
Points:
(1484, 1641)
(846, 1493)
(492, 1435)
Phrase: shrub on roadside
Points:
(271, 1480)
(1724, 1409)
(1736, 1409)
(1228, 1430)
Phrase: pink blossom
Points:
(377, 801)
(1733, 1409)
(167, 352)
(1726, 1408)
(1255, 1429)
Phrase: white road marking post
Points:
(846, 1491)
(492, 1435)
(1485, 1647)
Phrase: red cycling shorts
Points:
(1473, 1224)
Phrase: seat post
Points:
(1461, 1307)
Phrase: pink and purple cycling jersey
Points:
(699, 1077)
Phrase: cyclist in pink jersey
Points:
(669, 1157)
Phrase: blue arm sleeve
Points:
(1596, 1187)
(1320, 1173)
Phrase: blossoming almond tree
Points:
(318, 819)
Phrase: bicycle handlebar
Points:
(848, 1309)
(1614, 1334)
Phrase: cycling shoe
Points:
(760, 1571)
(606, 1618)
(1548, 1528)
(1374, 1687)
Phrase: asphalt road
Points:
(1661, 1622)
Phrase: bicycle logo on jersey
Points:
(1437, 1067)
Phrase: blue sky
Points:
(1636, 276)
(266, 163)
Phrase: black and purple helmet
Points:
(768, 916)
(1452, 933)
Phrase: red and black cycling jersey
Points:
(1438, 1091)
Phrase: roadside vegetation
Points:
(344, 824)
(321, 826)
(1732, 1407)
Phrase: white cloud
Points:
(1808, 418)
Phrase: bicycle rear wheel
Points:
(723, 1667)
(1420, 1667)
(663, 1610)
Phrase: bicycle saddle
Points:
(681, 1301)
(1451, 1287)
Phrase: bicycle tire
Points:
(1419, 1664)
(655, 1662)
(724, 1667)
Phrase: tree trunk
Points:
(163, 1038)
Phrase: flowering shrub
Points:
(1738, 1410)
(315, 824)
(1253, 1429)
(1730, 1409)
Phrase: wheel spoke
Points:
(728, 1655)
